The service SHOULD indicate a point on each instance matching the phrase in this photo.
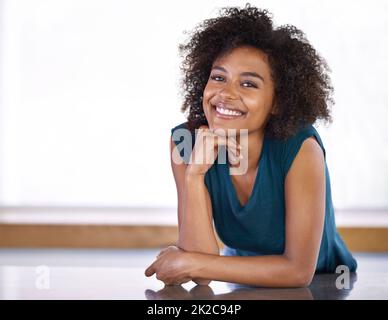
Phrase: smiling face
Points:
(239, 92)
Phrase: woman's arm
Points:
(195, 217)
(305, 211)
(196, 233)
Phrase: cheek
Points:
(259, 108)
(255, 104)
(207, 92)
(259, 103)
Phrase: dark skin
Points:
(242, 79)
(196, 256)
(303, 89)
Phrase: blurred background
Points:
(89, 91)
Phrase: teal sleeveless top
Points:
(258, 227)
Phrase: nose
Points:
(228, 92)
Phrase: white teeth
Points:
(228, 112)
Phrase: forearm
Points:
(196, 233)
(262, 271)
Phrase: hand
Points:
(173, 266)
(206, 149)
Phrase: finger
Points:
(233, 159)
(219, 132)
(229, 142)
(219, 140)
(235, 153)
(150, 270)
(203, 129)
(232, 141)
(231, 146)
(235, 147)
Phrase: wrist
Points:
(189, 175)
(195, 265)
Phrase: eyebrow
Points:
(246, 73)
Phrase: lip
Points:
(226, 106)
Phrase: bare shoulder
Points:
(310, 160)
(311, 148)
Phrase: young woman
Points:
(277, 218)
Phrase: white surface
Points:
(89, 92)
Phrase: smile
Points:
(226, 113)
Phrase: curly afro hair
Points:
(303, 91)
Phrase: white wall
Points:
(89, 92)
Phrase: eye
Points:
(217, 78)
(248, 84)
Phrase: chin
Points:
(224, 126)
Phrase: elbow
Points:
(302, 282)
(299, 273)
(301, 278)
